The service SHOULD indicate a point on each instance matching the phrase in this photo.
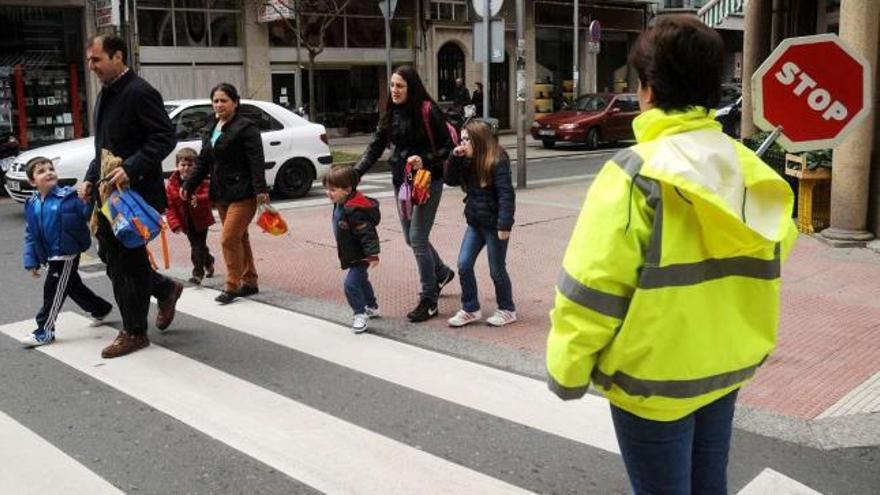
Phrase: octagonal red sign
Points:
(814, 87)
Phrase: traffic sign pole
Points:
(769, 141)
(487, 84)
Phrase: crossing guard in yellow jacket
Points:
(668, 297)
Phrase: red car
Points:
(592, 119)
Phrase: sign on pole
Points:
(480, 6)
(106, 13)
(383, 6)
(815, 88)
(497, 41)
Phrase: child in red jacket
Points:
(192, 217)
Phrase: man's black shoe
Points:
(248, 290)
(227, 297)
(425, 310)
(441, 283)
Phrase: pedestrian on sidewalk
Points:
(192, 217)
(355, 218)
(668, 298)
(481, 167)
(403, 128)
(477, 99)
(233, 156)
(56, 233)
(132, 124)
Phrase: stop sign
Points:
(814, 87)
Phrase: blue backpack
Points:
(134, 222)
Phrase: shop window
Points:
(361, 25)
(189, 22)
(264, 121)
(192, 28)
(224, 29)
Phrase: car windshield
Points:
(170, 108)
(590, 103)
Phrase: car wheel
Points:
(294, 179)
(592, 141)
(548, 143)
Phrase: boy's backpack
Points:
(134, 222)
(426, 119)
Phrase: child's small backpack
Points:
(134, 222)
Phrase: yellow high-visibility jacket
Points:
(668, 298)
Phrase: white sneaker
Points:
(37, 338)
(359, 323)
(501, 317)
(463, 318)
(372, 312)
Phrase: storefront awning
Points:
(716, 11)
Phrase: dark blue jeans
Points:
(687, 456)
(474, 240)
(416, 231)
(359, 290)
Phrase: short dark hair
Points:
(227, 88)
(33, 163)
(681, 60)
(341, 176)
(110, 44)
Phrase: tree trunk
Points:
(312, 109)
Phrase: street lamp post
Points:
(520, 96)
(388, 14)
(487, 24)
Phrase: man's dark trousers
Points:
(133, 278)
(62, 280)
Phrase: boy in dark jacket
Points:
(191, 217)
(355, 217)
(56, 233)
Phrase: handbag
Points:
(271, 221)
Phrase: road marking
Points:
(570, 178)
(324, 452)
(770, 481)
(864, 399)
(506, 395)
(30, 464)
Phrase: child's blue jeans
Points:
(359, 290)
(474, 240)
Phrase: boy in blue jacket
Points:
(56, 233)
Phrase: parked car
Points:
(296, 150)
(591, 120)
(8, 150)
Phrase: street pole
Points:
(487, 85)
(297, 76)
(520, 96)
(388, 42)
(575, 72)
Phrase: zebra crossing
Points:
(303, 406)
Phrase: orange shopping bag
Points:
(271, 221)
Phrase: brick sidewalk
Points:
(829, 339)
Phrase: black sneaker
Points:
(441, 283)
(226, 297)
(425, 310)
(248, 290)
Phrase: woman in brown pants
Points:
(233, 154)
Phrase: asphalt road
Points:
(253, 398)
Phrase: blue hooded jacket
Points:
(56, 225)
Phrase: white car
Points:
(296, 150)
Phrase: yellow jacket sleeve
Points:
(598, 277)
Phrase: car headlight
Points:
(568, 127)
(17, 167)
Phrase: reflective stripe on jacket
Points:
(668, 297)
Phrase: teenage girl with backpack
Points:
(481, 167)
(415, 129)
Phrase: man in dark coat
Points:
(131, 123)
(461, 97)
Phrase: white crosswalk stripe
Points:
(25, 458)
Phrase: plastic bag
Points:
(271, 221)
(404, 199)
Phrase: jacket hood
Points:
(739, 200)
(369, 206)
